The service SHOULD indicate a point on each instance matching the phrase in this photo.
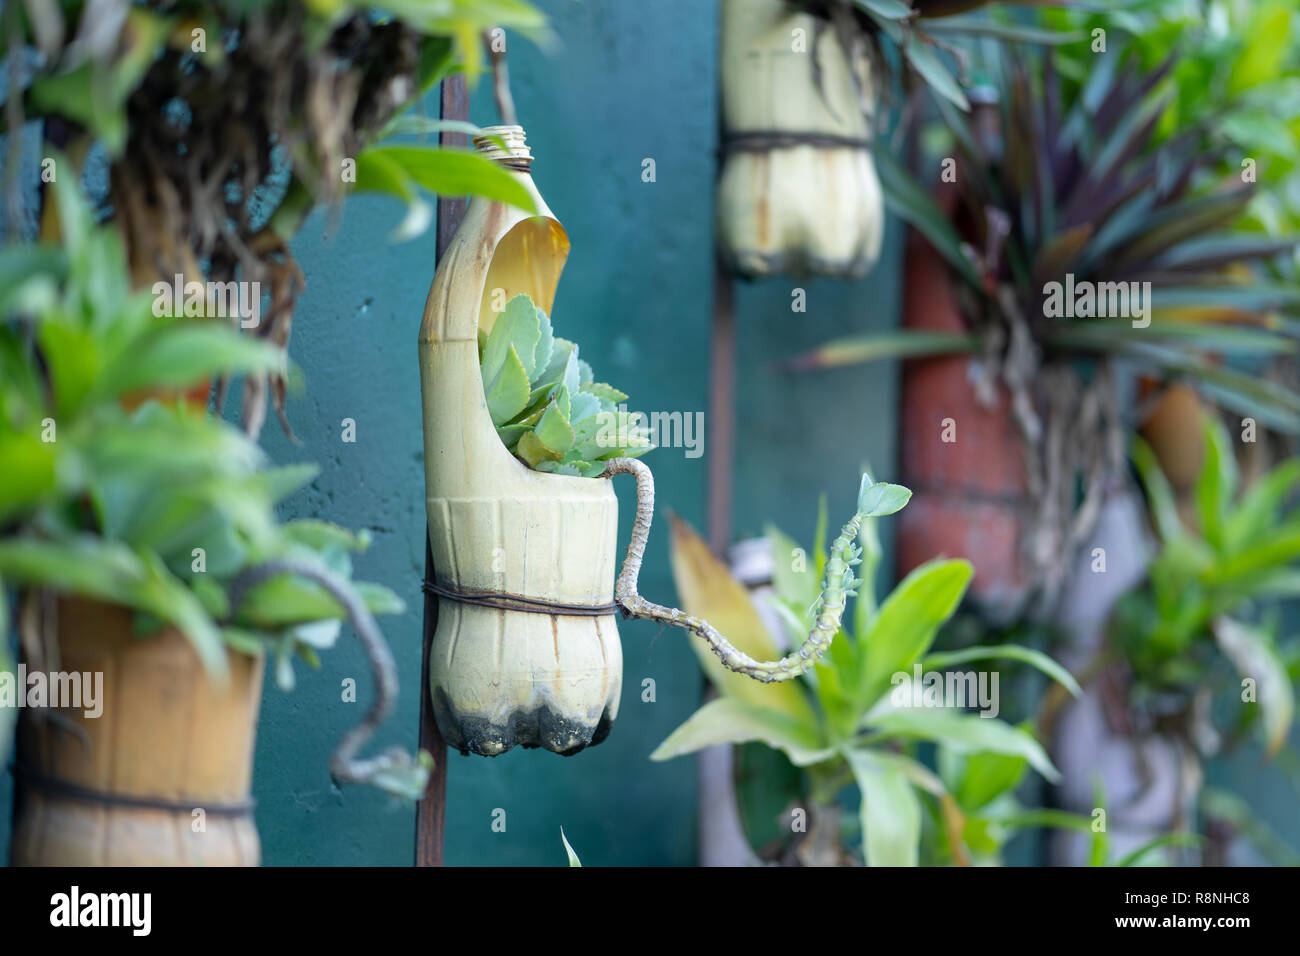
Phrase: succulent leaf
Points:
(534, 452)
(516, 327)
(545, 341)
(583, 406)
(510, 434)
(554, 430)
(561, 349)
(508, 393)
(602, 391)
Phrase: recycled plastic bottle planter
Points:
(125, 788)
(798, 192)
(503, 676)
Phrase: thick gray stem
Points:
(834, 596)
(345, 766)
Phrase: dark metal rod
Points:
(722, 412)
(430, 811)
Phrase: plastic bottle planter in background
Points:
(501, 677)
(124, 787)
(798, 191)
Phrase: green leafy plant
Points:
(1236, 68)
(116, 489)
(1237, 71)
(1101, 850)
(544, 402)
(845, 721)
(1210, 585)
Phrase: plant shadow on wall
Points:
(862, 715)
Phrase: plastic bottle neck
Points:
(515, 153)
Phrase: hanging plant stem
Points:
(838, 587)
(501, 82)
(392, 770)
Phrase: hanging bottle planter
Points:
(798, 191)
(161, 776)
(153, 767)
(526, 650)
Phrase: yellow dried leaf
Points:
(706, 589)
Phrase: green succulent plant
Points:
(547, 408)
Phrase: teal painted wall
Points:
(624, 81)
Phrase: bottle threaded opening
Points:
(515, 151)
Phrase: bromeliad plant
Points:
(117, 488)
(1210, 597)
(1237, 70)
(1060, 187)
(546, 406)
(851, 719)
